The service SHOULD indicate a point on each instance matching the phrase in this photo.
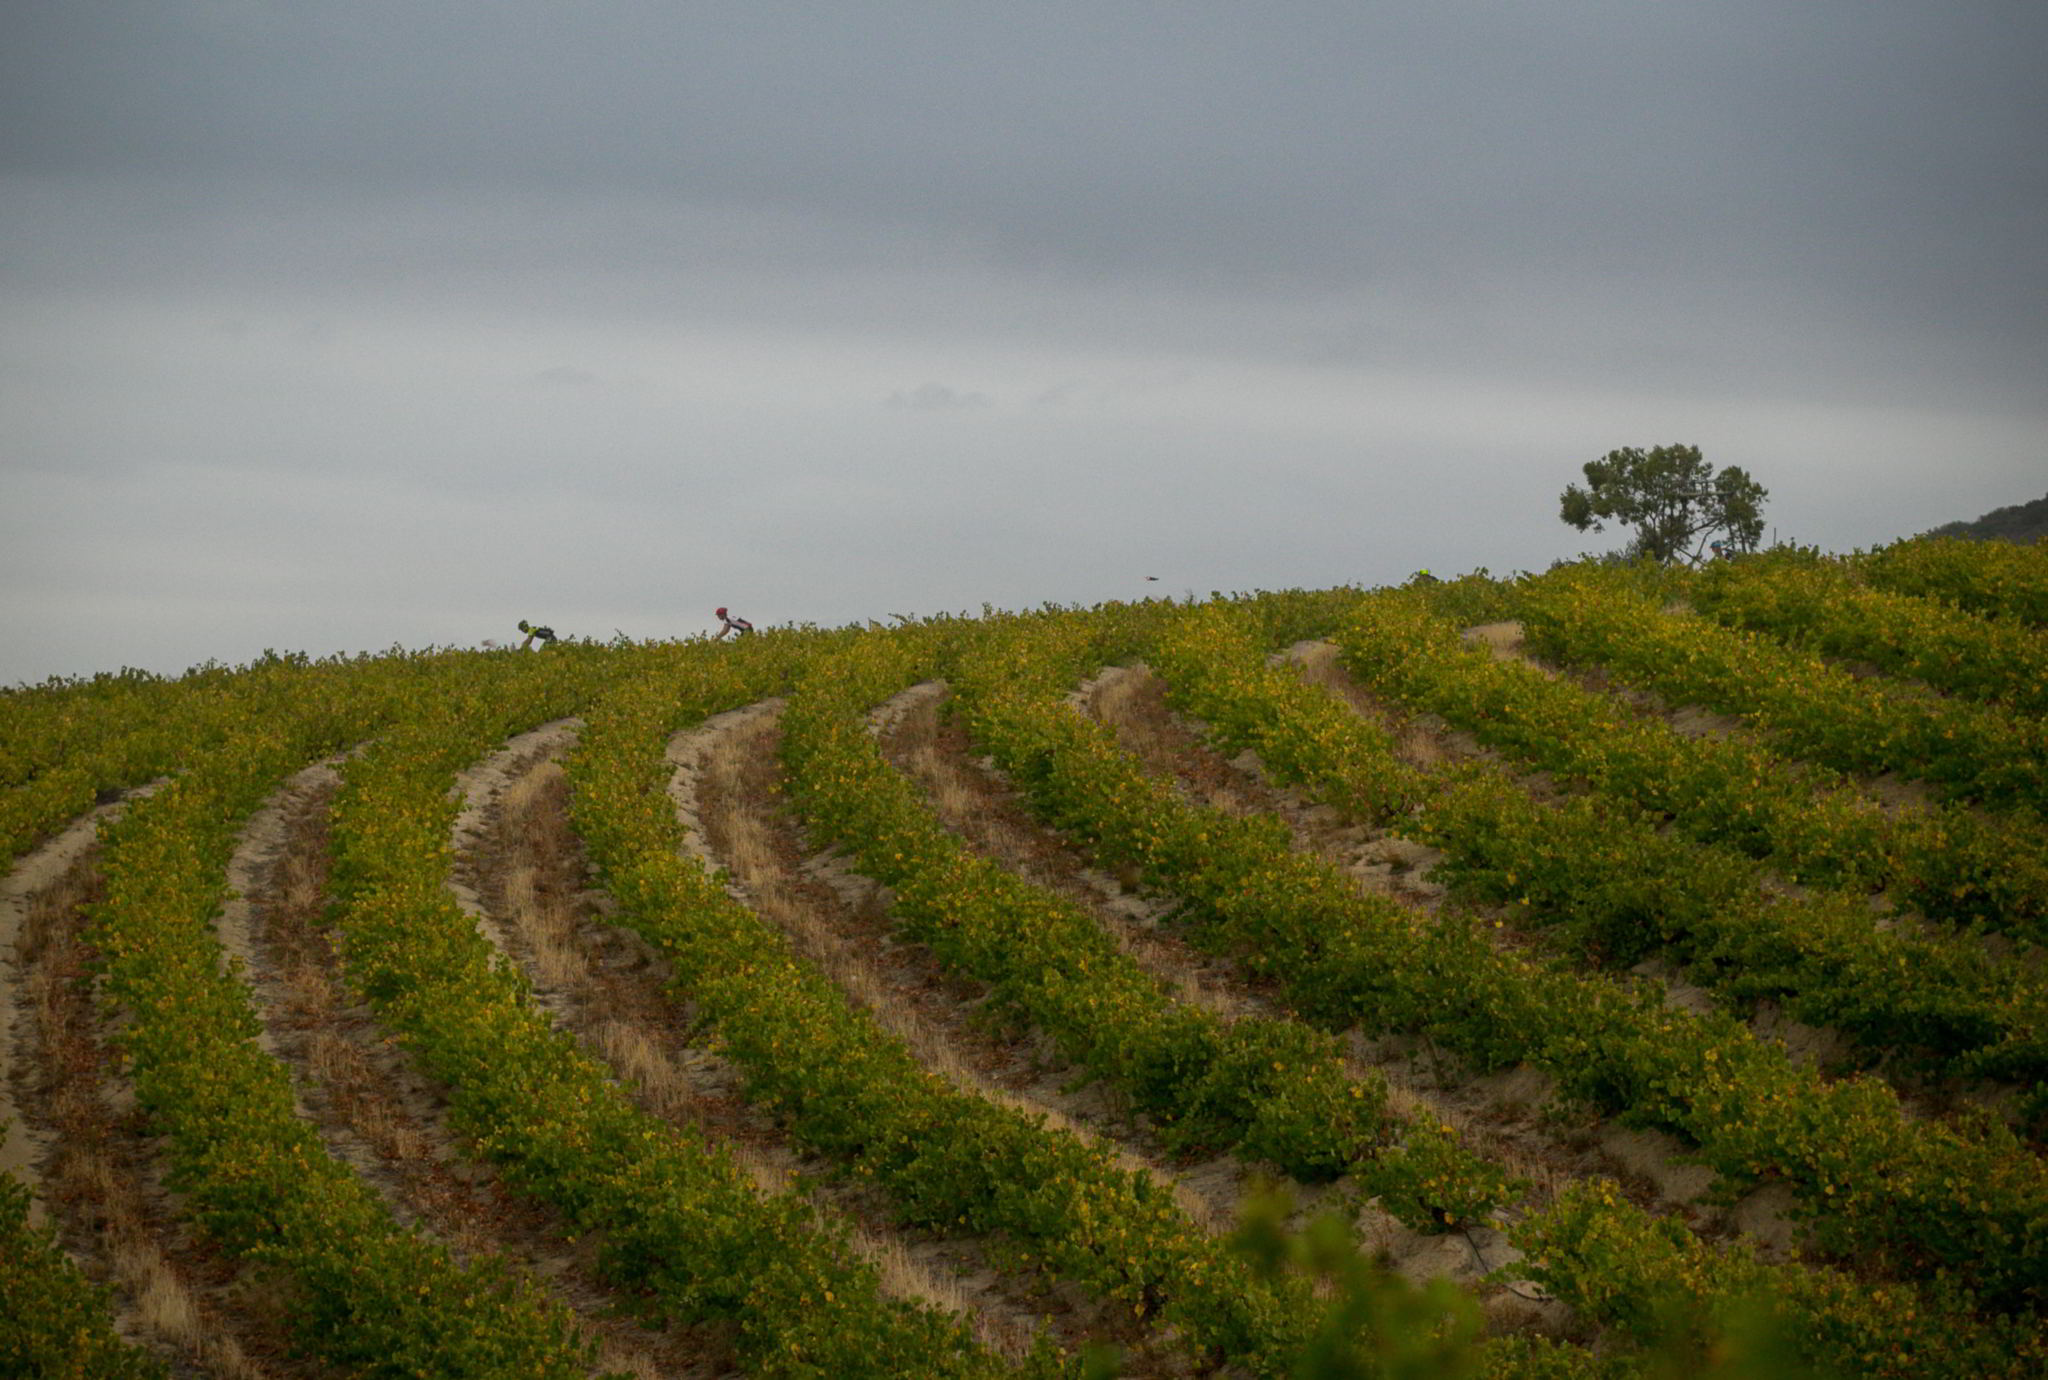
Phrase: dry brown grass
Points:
(738, 808)
(82, 1178)
(1112, 697)
(99, 1181)
(615, 1359)
(630, 1029)
(169, 1311)
(334, 1059)
(902, 1275)
(837, 919)
(299, 881)
(305, 995)
(637, 1054)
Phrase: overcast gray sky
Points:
(332, 324)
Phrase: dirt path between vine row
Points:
(976, 802)
(1895, 793)
(371, 1107)
(93, 1162)
(36, 873)
(1817, 1046)
(1514, 1109)
(523, 874)
(730, 790)
(1507, 643)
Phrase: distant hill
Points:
(2023, 522)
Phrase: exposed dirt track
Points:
(975, 801)
(520, 874)
(1510, 1115)
(524, 872)
(730, 790)
(26, 883)
(87, 1153)
(371, 1107)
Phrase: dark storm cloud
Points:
(905, 306)
(1877, 163)
(1307, 138)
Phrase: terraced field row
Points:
(1971, 753)
(1996, 578)
(1709, 1082)
(1820, 604)
(939, 1000)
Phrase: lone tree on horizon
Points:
(1673, 497)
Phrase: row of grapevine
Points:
(836, 1078)
(1908, 1197)
(430, 979)
(1819, 604)
(679, 1222)
(1942, 1228)
(984, 916)
(1648, 1279)
(366, 1294)
(1599, 867)
(1813, 708)
(63, 747)
(946, 1161)
(57, 1321)
(1998, 578)
(1807, 822)
(1271, 1090)
(101, 724)
(1216, 670)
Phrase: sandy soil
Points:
(25, 1147)
(372, 1108)
(730, 794)
(98, 1171)
(978, 804)
(525, 881)
(1518, 1117)
(521, 876)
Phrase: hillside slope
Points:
(1633, 965)
(2020, 522)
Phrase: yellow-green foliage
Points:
(2000, 578)
(1928, 1236)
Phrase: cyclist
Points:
(739, 627)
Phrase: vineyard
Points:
(1614, 972)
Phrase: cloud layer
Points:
(329, 327)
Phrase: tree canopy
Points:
(1674, 499)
